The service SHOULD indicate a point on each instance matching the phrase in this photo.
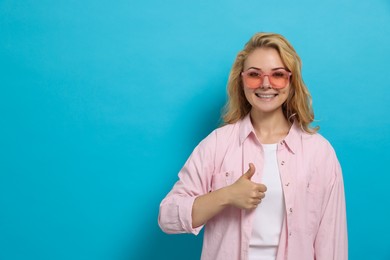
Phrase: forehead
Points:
(264, 58)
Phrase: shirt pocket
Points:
(222, 179)
(314, 202)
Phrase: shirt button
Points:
(227, 174)
(289, 233)
(291, 210)
(282, 163)
(287, 184)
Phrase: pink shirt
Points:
(315, 224)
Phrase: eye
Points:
(254, 74)
(280, 74)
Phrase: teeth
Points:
(265, 96)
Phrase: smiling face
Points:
(265, 99)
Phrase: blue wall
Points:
(102, 102)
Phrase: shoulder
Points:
(221, 136)
(320, 149)
(308, 143)
(315, 147)
(228, 130)
(316, 141)
(224, 132)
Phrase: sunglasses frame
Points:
(245, 76)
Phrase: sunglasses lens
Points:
(279, 79)
(252, 82)
(252, 78)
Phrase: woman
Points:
(265, 185)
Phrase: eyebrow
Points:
(278, 68)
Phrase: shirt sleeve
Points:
(175, 215)
(332, 241)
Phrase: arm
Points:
(243, 194)
(331, 240)
(175, 215)
(190, 204)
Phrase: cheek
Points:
(249, 96)
(247, 92)
(285, 92)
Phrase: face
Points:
(266, 98)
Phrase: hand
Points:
(244, 193)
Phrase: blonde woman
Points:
(265, 185)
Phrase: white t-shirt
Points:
(269, 214)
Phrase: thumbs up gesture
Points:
(244, 193)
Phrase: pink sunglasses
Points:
(254, 78)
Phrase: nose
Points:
(266, 82)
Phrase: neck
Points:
(270, 127)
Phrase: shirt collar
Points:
(291, 140)
(293, 137)
(246, 128)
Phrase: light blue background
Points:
(102, 102)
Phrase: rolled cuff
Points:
(176, 216)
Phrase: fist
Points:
(246, 194)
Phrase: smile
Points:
(265, 95)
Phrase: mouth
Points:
(265, 96)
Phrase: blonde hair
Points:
(298, 104)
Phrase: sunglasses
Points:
(254, 78)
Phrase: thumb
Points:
(248, 175)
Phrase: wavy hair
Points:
(297, 107)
